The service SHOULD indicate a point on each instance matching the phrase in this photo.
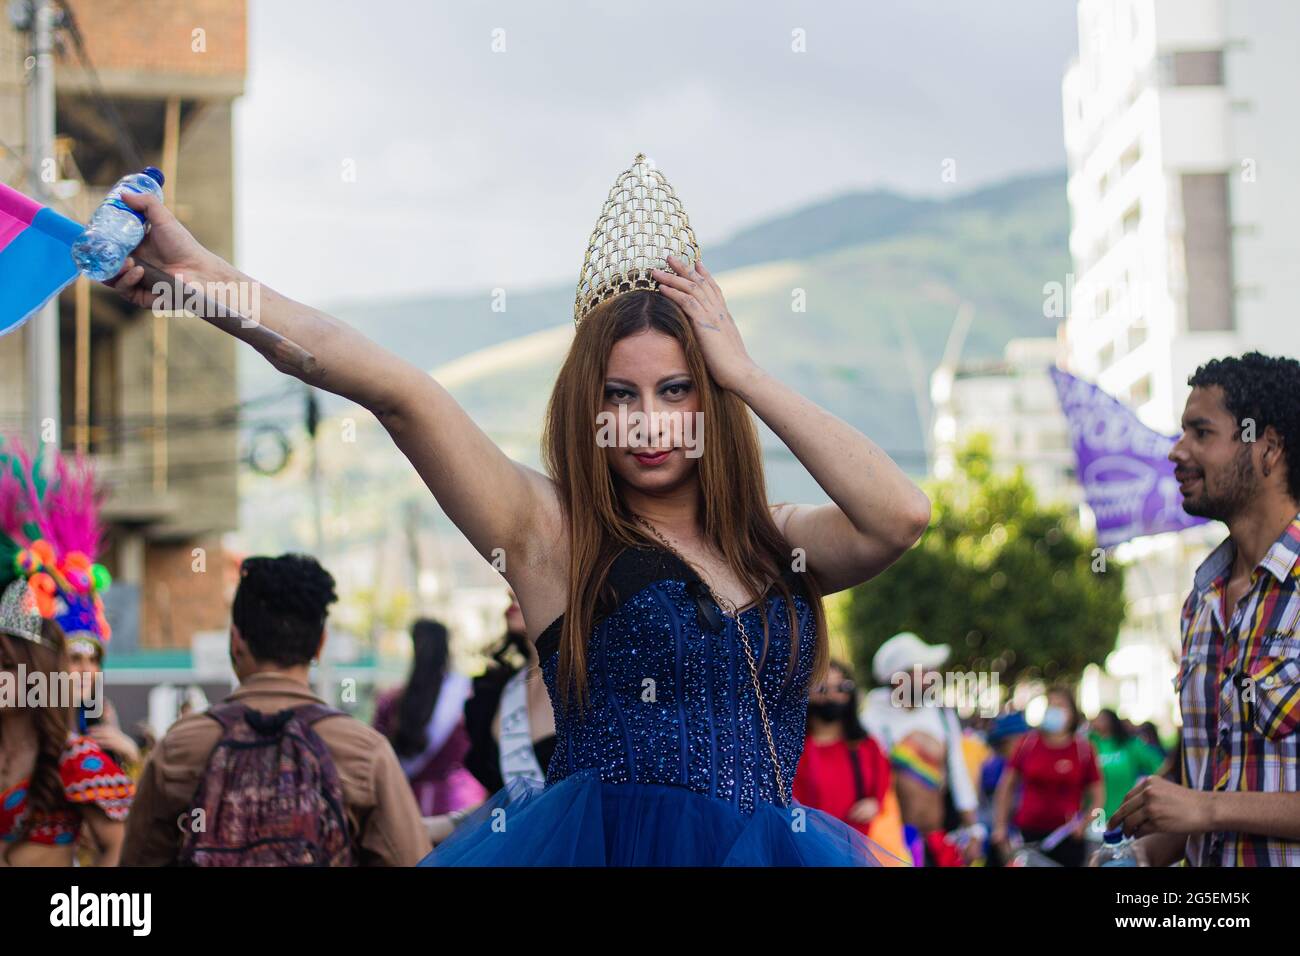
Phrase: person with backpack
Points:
(215, 792)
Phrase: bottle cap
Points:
(154, 173)
(1113, 836)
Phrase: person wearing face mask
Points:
(843, 771)
(1061, 784)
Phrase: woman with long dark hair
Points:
(424, 721)
(676, 612)
(53, 782)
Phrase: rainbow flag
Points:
(906, 759)
(35, 256)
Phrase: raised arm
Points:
(494, 501)
(876, 512)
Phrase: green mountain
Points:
(881, 275)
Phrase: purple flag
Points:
(1124, 467)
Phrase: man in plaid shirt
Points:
(1238, 461)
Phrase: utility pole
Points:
(312, 421)
(42, 331)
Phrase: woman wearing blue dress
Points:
(676, 614)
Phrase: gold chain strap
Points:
(730, 610)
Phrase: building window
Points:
(1140, 393)
(103, 392)
(1207, 249)
(1192, 68)
(1132, 217)
(1130, 158)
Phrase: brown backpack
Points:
(270, 795)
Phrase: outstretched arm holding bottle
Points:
(496, 502)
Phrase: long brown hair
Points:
(45, 787)
(733, 491)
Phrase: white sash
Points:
(517, 756)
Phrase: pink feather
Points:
(67, 515)
(72, 508)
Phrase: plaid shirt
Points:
(1239, 691)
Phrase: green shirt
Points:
(1121, 766)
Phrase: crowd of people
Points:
(924, 785)
(937, 790)
(666, 695)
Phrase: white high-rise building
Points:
(1182, 135)
(1014, 403)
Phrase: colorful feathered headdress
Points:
(50, 535)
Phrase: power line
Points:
(131, 152)
(230, 416)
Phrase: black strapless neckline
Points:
(638, 567)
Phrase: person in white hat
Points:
(904, 652)
(922, 738)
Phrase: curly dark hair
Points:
(1265, 389)
(280, 607)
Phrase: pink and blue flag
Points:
(35, 256)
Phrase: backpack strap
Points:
(231, 713)
(227, 714)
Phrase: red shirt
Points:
(1054, 780)
(825, 779)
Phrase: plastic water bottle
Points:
(1117, 850)
(115, 229)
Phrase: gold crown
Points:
(641, 225)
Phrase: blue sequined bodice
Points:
(671, 699)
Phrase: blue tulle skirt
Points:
(581, 821)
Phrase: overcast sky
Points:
(384, 149)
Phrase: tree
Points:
(1014, 588)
